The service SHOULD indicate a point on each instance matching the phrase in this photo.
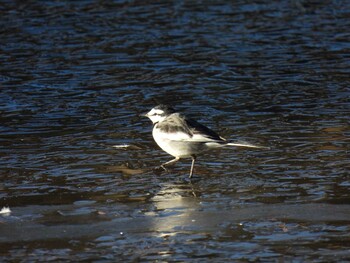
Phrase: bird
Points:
(183, 137)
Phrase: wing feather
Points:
(180, 128)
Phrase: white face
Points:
(156, 115)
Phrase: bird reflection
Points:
(175, 206)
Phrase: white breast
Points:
(176, 144)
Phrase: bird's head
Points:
(159, 113)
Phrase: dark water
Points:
(75, 76)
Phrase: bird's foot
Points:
(164, 168)
(160, 169)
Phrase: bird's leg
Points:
(192, 166)
(170, 162)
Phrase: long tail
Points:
(247, 145)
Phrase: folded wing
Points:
(177, 127)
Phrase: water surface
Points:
(74, 78)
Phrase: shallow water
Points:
(74, 78)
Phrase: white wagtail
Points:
(183, 137)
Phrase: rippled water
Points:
(74, 78)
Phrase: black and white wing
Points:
(177, 127)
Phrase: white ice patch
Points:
(5, 211)
(121, 146)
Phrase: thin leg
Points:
(192, 166)
(170, 162)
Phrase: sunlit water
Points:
(76, 75)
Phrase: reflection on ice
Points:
(175, 209)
